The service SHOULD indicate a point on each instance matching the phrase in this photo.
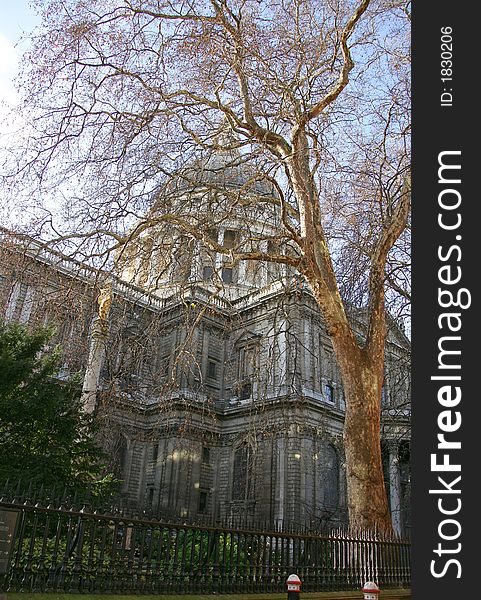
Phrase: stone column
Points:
(262, 278)
(241, 272)
(342, 481)
(280, 481)
(395, 485)
(281, 363)
(307, 375)
(219, 258)
(98, 338)
(196, 267)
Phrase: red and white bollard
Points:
(293, 587)
(370, 591)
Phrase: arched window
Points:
(247, 351)
(330, 471)
(230, 238)
(242, 473)
(119, 453)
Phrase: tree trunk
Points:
(362, 368)
(366, 492)
(362, 374)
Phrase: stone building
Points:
(219, 391)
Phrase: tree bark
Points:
(366, 492)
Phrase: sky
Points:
(17, 18)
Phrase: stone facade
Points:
(219, 391)
(215, 409)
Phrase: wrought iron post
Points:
(63, 549)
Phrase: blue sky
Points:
(17, 18)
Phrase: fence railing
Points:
(61, 550)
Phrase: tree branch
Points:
(389, 235)
(348, 65)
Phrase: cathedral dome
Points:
(228, 169)
(226, 198)
(223, 167)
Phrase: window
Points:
(203, 499)
(242, 473)
(247, 358)
(329, 392)
(247, 369)
(155, 452)
(331, 478)
(12, 301)
(384, 396)
(182, 258)
(207, 273)
(20, 303)
(164, 344)
(212, 369)
(245, 390)
(164, 366)
(229, 238)
(205, 455)
(227, 274)
(213, 234)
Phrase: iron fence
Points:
(60, 549)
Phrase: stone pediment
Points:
(247, 337)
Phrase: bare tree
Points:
(125, 101)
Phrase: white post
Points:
(370, 591)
